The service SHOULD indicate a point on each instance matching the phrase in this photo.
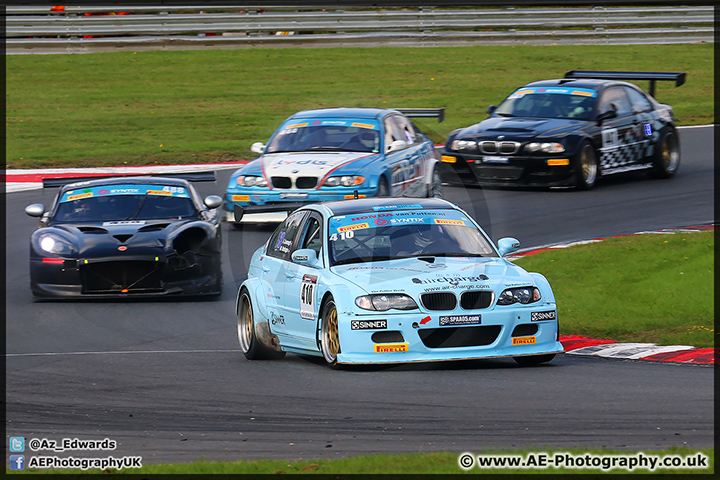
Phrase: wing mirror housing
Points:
(397, 145)
(213, 201)
(508, 245)
(491, 109)
(257, 147)
(612, 113)
(305, 256)
(35, 210)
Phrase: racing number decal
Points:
(610, 138)
(307, 297)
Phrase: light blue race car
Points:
(392, 280)
(335, 154)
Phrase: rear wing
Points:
(189, 176)
(438, 113)
(678, 78)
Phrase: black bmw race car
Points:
(568, 131)
(126, 237)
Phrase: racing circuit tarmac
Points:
(166, 379)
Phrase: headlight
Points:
(251, 181)
(522, 295)
(386, 302)
(53, 244)
(464, 145)
(345, 181)
(544, 147)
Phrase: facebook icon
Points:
(17, 462)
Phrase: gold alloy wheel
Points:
(588, 165)
(330, 335)
(670, 155)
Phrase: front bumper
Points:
(279, 200)
(419, 337)
(142, 276)
(512, 170)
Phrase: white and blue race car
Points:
(335, 154)
(392, 280)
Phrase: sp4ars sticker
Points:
(307, 296)
(539, 316)
(368, 324)
(460, 320)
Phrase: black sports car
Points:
(132, 236)
(569, 131)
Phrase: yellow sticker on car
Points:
(524, 340)
(355, 226)
(241, 198)
(447, 221)
(391, 347)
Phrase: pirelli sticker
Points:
(241, 198)
(362, 125)
(447, 221)
(297, 125)
(356, 226)
(159, 192)
(79, 196)
(391, 347)
(524, 340)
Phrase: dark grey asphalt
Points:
(165, 379)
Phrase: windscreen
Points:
(549, 102)
(125, 202)
(327, 135)
(413, 232)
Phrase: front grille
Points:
(525, 329)
(476, 300)
(450, 337)
(306, 182)
(506, 148)
(439, 301)
(281, 182)
(114, 277)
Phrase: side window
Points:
(312, 235)
(282, 240)
(639, 102)
(407, 129)
(617, 96)
(392, 132)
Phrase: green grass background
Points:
(642, 288)
(165, 107)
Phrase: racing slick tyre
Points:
(531, 360)
(383, 190)
(586, 166)
(329, 334)
(250, 342)
(435, 189)
(666, 158)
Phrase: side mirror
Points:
(491, 109)
(213, 201)
(257, 147)
(35, 210)
(508, 245)
(305, 256)
(398, 145)
(612, 113)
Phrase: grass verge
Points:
(427, 463)
(166, 107)
(641, 288)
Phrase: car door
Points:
(300, 306)
(646, 116)
(274, 271)
(620, 136)
(405, 165)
